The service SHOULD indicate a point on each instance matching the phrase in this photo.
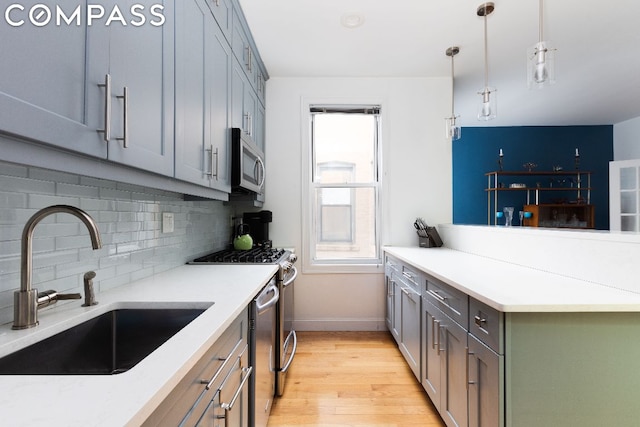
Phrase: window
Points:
(344, 185)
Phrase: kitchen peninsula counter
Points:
(130, 397)
(565, 349)
(509, 287)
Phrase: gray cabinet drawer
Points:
(486, 324)
(391, 266)
(451, 301)
(190, 398)
(411, 277)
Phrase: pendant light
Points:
(540, 59)
(453, 131)
(488, 105)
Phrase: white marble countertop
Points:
(130, 397)
(509, 287)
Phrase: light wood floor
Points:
(351, 379)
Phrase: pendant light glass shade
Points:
(488, 108)
(540, 59)
(452, 130)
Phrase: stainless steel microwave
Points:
(247, 164)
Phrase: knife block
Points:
(424, 242)
(432, 241)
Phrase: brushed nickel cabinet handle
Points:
(221, 369)
(229, 406)
(479, 321)
(469, 354)
(125, 117)
(213, 154)
(107, 108)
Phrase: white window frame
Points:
(309, 264)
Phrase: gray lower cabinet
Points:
(445, 362)
(486, 385)
(393, 306)
(202, 97)
(203, 394)
(404, 309)
(482, 367)
(485, 365)
(410, 306)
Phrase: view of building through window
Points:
(345, 184)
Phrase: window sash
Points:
(315, 186)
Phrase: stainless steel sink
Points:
(110, 343)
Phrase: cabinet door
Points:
(223, 12)
(219, 79)
(238, 83)
(141, 59)
(259, 126)
(397, 310)
(453, 399)
(243, 51)
(486, 379)
(410, 329)
(202, 97)
(389, 302)
(250, 105)
(192, 132)
(49, 78)
(431, 351)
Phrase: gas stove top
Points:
(258, 255)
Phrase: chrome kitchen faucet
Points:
(26, 301)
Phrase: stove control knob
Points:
(293, 258)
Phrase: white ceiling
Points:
(597, 57)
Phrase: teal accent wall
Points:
(476, 153)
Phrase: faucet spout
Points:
(26, 299)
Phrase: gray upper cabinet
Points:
(48, 83)
(243, 101)
(155, 94)
(141, 60)
(202, 93)
(243, 49)
(223, 12)
(62, 84)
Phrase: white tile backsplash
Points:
(130, 221)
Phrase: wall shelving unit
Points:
(575, 213)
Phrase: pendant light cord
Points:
(452, 91)
(486, 63)
(540, 22)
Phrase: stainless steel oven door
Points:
(287, 339)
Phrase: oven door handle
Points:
(293, 351)
(264, 306)
(291, 279)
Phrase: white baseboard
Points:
(340, 325)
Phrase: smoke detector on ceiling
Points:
(352, 20)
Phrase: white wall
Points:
(606, 258)
(626, 140)
(417, 178)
